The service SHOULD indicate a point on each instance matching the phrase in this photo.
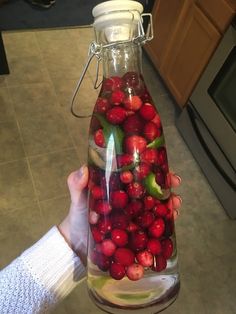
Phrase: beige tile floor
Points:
(41, 142)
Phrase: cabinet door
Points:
(165, 14)
(188, 52)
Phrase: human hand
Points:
(74, 227)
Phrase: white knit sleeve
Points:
(40, 277)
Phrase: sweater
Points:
(40, 277)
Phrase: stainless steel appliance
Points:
(208, 123)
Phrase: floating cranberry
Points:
(112, 83)
(114, 181)
(133, 124)
(160, 264)
(147, 111)
(157, 228)
(124, 160)
(157, 121)
(117, 271)
(119, 199)
(149, 202)
(102, 105)
(102, 207)
(154, 246)
(119, 237)
(131, 79)
(102, 261)
(135, 144)
(160, 178)
(162, 156)
(135, 190)
(160, 210)
(167, 248)
(104, 224)
(138, 240)
(145, 220)
(126, 177)
(134, 208)
(124, 256)
(99, 138)
(117, 97)
(133, 103)
(119, 220)
(98, 192)
(108, 247)
(151, 131)
(116, 115)
(135, 272)
(132, 227)
(145, 258)
(97, 235)
(141, 171)
(149, 155)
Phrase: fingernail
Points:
(179, 198)
(178, 178)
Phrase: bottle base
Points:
(164, 301)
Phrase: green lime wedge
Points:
(158, 142)
(152, 187)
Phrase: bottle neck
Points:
(121, 59)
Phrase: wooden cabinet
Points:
(185, 38)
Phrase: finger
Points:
(173, 180)
(77, 182)
(174, 204)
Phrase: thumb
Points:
(77, 182)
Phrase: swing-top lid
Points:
(118, 19)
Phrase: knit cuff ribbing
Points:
(53, 264)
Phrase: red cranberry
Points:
(138, 240)
(133, 103)
(135, 144)
(135, 190)
(157, 121)
(102, 105)
(133, 124)
(160, 177)
(160, 264)
(119, 237)
(114, 181)
(149, 155)
(117, 97)
(117, 271)
(112, 83)
(167, 248)
(135, 272)
(108, 247)
(98, 192)
(126, 177)
(134, 208)
(151, 131)
(97, 235)
(104, 225)
(116, 115)
(124, 256)
(160, 210)
(99, 138)
(149, 202)
(154, 246)
(141, 171)
(124, 160)
(102, 261)
(157, 228)
(119, 199)
(147, 111)
(119, 220)
(145, 258)
(145, 220)
(162, 156)
(131, 79)
(102, 207)
(132, 227)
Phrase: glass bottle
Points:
(132, 257)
